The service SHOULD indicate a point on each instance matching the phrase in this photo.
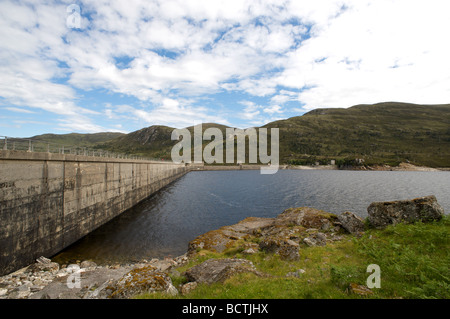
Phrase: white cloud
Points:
(251, 110)
(325, 53)
(272, 109)
(172, 113)
(19, 110)
(373, 52)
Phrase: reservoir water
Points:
(163, 225)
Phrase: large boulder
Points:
(351, 222)
(218, 270)
(423, 209)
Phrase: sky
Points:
(96, 66)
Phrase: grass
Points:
(414, 262)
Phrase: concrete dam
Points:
(49, 201)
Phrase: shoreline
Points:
(402, 167)
(283, 235)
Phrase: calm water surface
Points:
(201, 201)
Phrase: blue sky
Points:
(125, 65)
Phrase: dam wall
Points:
(48, 201)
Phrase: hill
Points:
(82, 140)
(383, 133)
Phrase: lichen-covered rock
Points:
(225, 237)
(305, 216)
(218, 270)
(351, 222)
(423, 209)
(289, 251)
(286, 248)
(141, 280)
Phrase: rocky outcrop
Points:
(219, 270)
(423, 209)
(282, 235)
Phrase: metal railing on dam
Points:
(38, 145)
(50, 200)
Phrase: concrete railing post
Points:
(5, 146)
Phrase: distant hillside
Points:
(154, 141)
(380, 133)
(82, 140)
(384, 133)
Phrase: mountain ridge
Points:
(382, 133)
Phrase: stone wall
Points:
(49, 201)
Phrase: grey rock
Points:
(249, 251)
(88, 264)
(351, 222)
(46, 266)
(36, 288)
(318, 239)
(289, 251)
(43, 260)
(218, 270)
(423, 209)
(304, 216)
(286, 248)
(189, 287)
(296, 273)
(171, 290)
